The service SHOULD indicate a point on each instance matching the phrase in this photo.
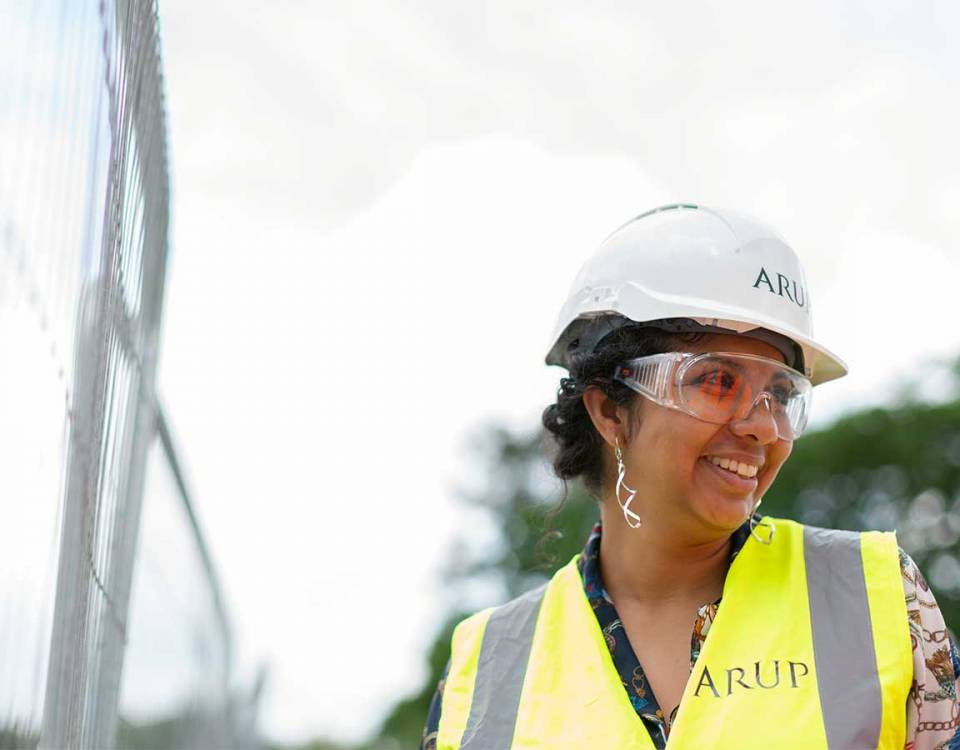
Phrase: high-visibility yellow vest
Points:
(810, 649)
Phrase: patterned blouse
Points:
(933, 709)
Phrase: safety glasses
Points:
(722, 387)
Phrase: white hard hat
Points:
(686, 267)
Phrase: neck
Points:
(657, 564)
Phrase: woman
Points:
(688, 341)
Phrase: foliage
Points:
(18, 736)
(539, 529)
(189, 726)
(319, 744)
(885, 469)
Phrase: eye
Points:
(783, 394)
(717, 382)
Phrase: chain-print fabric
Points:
(933, 709)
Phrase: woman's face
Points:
(669, 458)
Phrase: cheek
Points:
(776, 459)
(671, 442)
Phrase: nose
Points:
(758, 422)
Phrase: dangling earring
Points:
(632, 519)
(766, 524)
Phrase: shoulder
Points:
(568, 575)
(836, 536)
(817, 537)
(922, 608)
(519, 608)
(519, 615)
(923, 613)
(876, 550)
(913, 580)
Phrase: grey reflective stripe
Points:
(500, 672)
(843, 649)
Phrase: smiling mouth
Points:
(741, 468)
(733, 480)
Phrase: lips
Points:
(731, 480)
(743, 468)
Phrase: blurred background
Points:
(354, 225)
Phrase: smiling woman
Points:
(690, 376)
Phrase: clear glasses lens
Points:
(722, 388)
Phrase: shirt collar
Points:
(589, 562)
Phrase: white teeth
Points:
(738, 467)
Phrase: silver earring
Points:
(754, 524)
(632, 519)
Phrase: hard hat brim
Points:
(820, 363)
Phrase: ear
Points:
(608, 418)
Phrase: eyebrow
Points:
(781, 378)
(777, 377)
(731, 363)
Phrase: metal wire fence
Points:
(84, 215)
(176, 682)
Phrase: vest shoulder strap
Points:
(489, 658)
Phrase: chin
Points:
(726, 514)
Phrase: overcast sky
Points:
(378, 208)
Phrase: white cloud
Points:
(889, 311)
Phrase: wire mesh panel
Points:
(115, 353)
(175, 688)
(54, 140)
(83, 249)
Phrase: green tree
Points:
(885, 469)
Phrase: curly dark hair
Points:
(578, 451)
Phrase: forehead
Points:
(732, 342)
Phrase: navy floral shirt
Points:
(933, 708)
